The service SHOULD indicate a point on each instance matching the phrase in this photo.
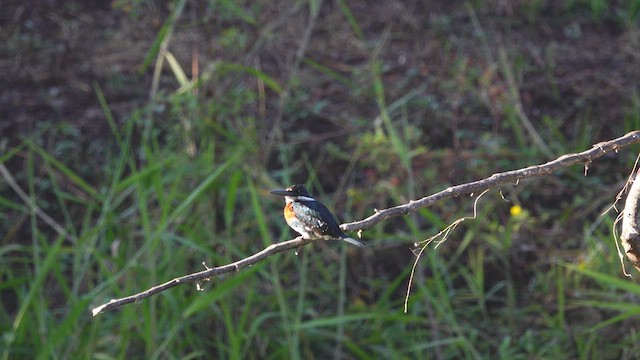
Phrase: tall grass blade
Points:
(36, 286)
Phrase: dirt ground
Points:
(565, 63)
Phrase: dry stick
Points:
(627, 217)
(630, 237)
(475, 187)
(380, 215)
(205, 274)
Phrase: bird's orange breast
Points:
(288, 212)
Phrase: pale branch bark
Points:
(474, 187)
(513, 176)
(630, 236)
(205, 274)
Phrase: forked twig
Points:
(614, 228)
(478, 186)
(630, 235)
(445, 235)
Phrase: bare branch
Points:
(469, 188)
(443, 235)
(630, 236)
(205, 274)
(497, 179)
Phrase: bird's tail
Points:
(353, 241)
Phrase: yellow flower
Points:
(516, 210)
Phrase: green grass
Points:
(182, 181)
(151, 221)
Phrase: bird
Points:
(309, 217)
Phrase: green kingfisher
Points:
(310, 217)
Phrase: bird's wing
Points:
(326, 223)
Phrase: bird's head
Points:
(294, 193)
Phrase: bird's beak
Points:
(281, 192)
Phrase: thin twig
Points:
(614, 228)
(205, 274)
(475, 187)
(630, 236)
(444, 234)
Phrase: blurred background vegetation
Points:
(151, 131)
